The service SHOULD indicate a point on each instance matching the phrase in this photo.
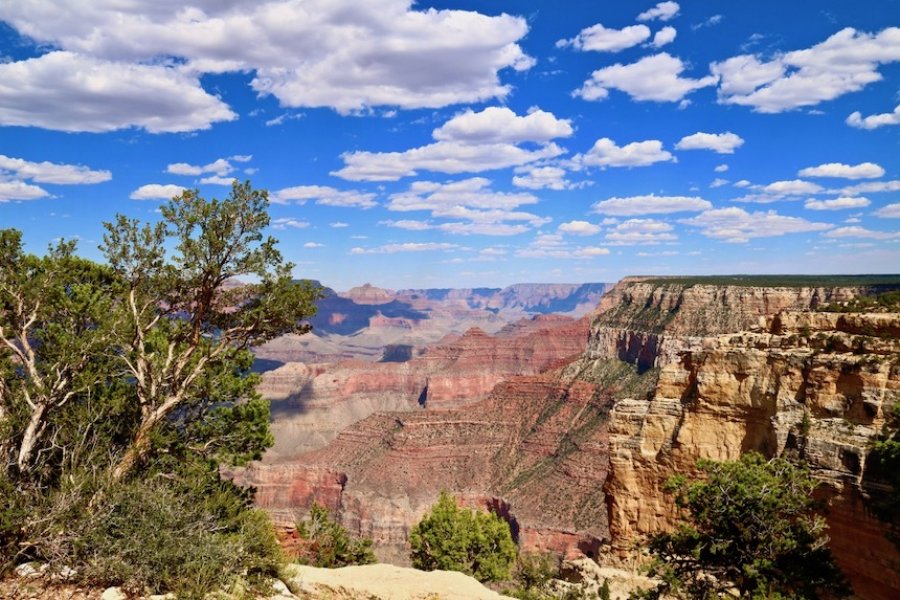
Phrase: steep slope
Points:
(312, 404)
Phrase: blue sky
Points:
(456, 144)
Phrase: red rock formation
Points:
(325, 399)
(535, 449)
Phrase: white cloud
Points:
(657, 78)
(890, 211)
(722, 143)
(865, 170)
(579, 228)
(854, 231)
(870, 187)
(48, 172)
(313, 245)
(742, 183)
(217, 180)
(718, 182)
(791, 187)
(664, 36)
(324, 196)
(541, 178)
(339, 225)
(220, 167)
(341, 54)
(468, 143)
(156, 191)
(104, 96)
(650, 205)
(600, 39)
(553, 245)
(441, 157)
(710, 22)
(241, 158)
(605, 153)
(406, 247)
(500, 125)
(721, 168)
(641, 231)
(662, 11)
(845, 62)
(735, 225)
(19, 190)
(285, 222)
(841, 203)
(874, 121)
(474, 207)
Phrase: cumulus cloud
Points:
(48, 172)
(841, 203)
(553, 245)
(870, 187)
(663, 11)
(650, 205)
(664, 36)
(736, 225)
(605, 153)
(718, 182)
(19, 190)
(854, 231)
(845, 62)
(579, 228)
(337, 53)
(890, 211)
(657, 78)
(721, 168)
(874, 121)
(220, 167)
(471, 204)
(313, 245)
(779, 190)
(406, 247)
(286, 222)
(324, 196)
(641, 231)
(468, 143)
(156, 191)
(866, 170)
(600, 39)
(217, 180)
(722, 143)
(101, 96)
(500, 125)
(541, 178)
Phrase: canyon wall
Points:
(311, 404)
(576, 457)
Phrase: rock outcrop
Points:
(311, 404)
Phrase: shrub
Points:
(329, 545)
(749, 532)
(451, 538)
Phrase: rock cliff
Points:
(311, 404)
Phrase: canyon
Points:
(573, 450)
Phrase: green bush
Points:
(328, 544)
(451, 538)
(160, 535)
(749, 531)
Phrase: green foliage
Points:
(884, 281)
(537, 577)
(130, 382)
(883, 467)
(884, 302)
(452, 538)
(164, 535)
(750, 530)
(329, 545)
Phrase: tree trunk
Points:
(135, 451)
(30, 438)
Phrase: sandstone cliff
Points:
(311, 404)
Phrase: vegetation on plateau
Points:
(326, 543)
(887, 281)
(884, 302)
(124, 385)
(749, 531)
(453, 538)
